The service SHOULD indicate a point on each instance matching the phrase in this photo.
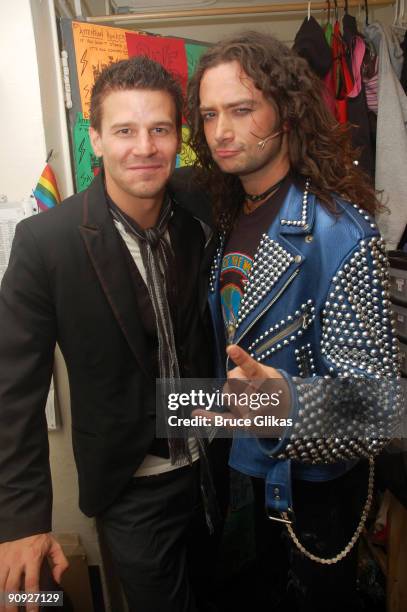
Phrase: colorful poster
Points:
(86, 163)
(99, 46)
(95, 48)
(170, 52)
(187, 156)
(193, 52)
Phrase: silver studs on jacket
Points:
(303, 222)
(341, 422)
(283, 332)
(216, 265)
(365, 215)
(357, 328)
(357, 341)
(305, 361)
(270, 262)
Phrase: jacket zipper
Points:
(286, 331)
(276, 297)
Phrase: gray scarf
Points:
(158, 260)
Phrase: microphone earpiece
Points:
(262, 143)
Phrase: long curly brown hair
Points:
(319, 147)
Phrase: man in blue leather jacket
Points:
(299, 285)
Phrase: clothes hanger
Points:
(402, 10)
(336, 10)
(399, 25)
(396, 12)
(309, 11)
(360, 17)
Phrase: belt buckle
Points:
(286, 517)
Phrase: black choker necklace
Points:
(261, 196)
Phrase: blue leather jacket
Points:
(316, 304)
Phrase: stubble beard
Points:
(252, 163)
(146, 188)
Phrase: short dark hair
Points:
(139, 72)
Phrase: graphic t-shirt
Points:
(240, 251)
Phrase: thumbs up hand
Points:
(258, 397)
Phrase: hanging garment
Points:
(356, 99)
(339, 79)
(357, 51)
(391, 144)
(403, 76)
(329, 33)
(350, 28)
(310, 43)
(370, 76)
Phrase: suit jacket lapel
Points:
(190, 198)
(103, 245)
(205, 271)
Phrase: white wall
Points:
(22, 134)
(283, 26)
(66, 516)
(51, 92)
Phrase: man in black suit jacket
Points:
(79, 275)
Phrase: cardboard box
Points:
(75, 580)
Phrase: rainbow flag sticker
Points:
(46, 192)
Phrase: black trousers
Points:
(160, 543)
(326, 516)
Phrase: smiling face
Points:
(236, 118)
(138, 140)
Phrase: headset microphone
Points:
(261, 144)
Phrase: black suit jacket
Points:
(68, 282)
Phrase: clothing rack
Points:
(259, 9)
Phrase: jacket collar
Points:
(297, 213)
(105, 251)
(276, 263)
